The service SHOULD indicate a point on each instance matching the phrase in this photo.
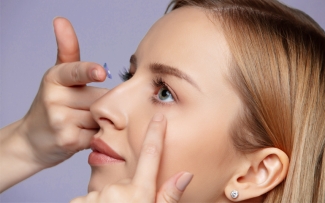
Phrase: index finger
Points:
(76, 73)
(147, 169)
(67, 41)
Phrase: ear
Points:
(259, 173)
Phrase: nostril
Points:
(106, 120)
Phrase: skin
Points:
(44, 138)
(28, 147)
(199, 115)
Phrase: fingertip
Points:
(158, 117)
(57, 20)
(98, 74)
(183, 181)
(173, 189)
(56, 17)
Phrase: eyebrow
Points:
(163, 69)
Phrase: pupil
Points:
(164, 94)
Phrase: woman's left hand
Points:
(142, 188)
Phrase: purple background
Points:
(108, 31)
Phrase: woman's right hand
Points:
(59, 123)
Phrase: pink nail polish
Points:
(183, 181)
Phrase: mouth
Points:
(103, 154)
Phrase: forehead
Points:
(189, 39)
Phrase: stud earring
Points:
(234, 194)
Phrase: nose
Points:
(112, 110)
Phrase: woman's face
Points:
(179, 69)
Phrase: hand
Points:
(142, 188)
(59, 123)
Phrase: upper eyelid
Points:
(166, 85)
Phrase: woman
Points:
(242, 87)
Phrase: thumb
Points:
(172, 190)
(67, 41)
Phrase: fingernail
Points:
(158, 117)
(183, 181)
(94, 74)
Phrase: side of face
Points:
(179, 69)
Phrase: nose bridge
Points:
(116, 104)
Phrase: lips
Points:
(102, 153)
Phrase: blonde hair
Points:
(279, 72)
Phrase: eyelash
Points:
(157, 83)
(125, 75)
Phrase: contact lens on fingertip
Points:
(109, 75)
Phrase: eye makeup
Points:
(163, 94)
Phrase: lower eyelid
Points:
(155, 100)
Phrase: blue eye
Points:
(164, 95)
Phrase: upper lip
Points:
(100, 146)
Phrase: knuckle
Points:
(48, 99)
(75, 73)
(170, 198)
(150, 149)
(112, 189)
(48, 75)
(56, 120)
(68, 140)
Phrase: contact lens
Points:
(109, 75)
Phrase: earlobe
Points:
(259, 173)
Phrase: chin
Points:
(106, 175)
(97, 182)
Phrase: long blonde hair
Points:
(279, 72)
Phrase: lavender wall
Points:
(108, 31)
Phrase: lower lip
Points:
(96, 158)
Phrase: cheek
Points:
(139, 120)
(202, 148)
